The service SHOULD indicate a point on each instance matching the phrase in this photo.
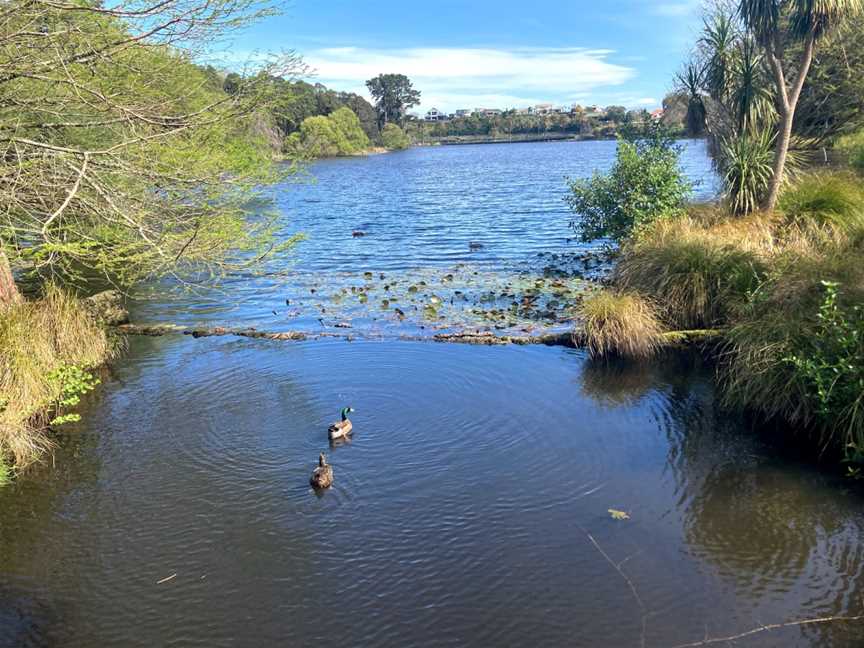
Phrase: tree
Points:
(617, 114)
(394, 95)
(777, 26)
(121, 157)
(334, 135)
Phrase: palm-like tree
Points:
(777, 24)
(690, 81)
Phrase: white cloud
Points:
(451, 78)
(676, 8)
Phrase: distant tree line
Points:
(312, 120)
(601, 124)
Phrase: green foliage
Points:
(830, 364)
(645, 184)
(394, 94)
(338, 134)
(71, 382)
(394, 138)
(133, 163)
(293, 102)
(746, 163)
(852, 148)
(833, 199)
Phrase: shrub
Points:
(338, 134)
(833, 199)
(699, 274)
(645, 184)
(622, 325)
(393, 138)
(45, 349)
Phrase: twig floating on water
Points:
(165, 580)
(769, 627)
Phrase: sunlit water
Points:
(453, 238)
(470, 509)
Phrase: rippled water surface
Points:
(452, 237)
(472, 507)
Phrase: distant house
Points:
(657, 115)
(434, 115)
(462, 112)
(488, 112)
(544, 109)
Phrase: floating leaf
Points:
(619, 515)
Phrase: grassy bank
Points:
(47, 347)
(786, 289)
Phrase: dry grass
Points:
(698, 270)
(36, 339)
(621, 325)
(761, 279)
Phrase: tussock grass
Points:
(620, 325)
(783, 321)
(835, 200)
(36, 339)
(698, 272)
(764, 280)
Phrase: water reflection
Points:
(460, 515)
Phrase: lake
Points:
(474, 505)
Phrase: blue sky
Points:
(483, 53)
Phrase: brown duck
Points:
(322, 476)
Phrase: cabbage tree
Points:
(778, 26)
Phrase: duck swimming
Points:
(341, 429)
(322, 476)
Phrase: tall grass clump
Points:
(46, 347)
(797, 353)
(826, 199)
(851, 147)
(698, 272)
(620, 325)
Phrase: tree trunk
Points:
(788, 102)
(8, 290)
(781, 150)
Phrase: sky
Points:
(488, 54)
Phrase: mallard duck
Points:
(322, 476)
(341, 429)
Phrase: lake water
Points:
(472, 507)
(455, 237)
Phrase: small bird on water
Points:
(322, 476)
